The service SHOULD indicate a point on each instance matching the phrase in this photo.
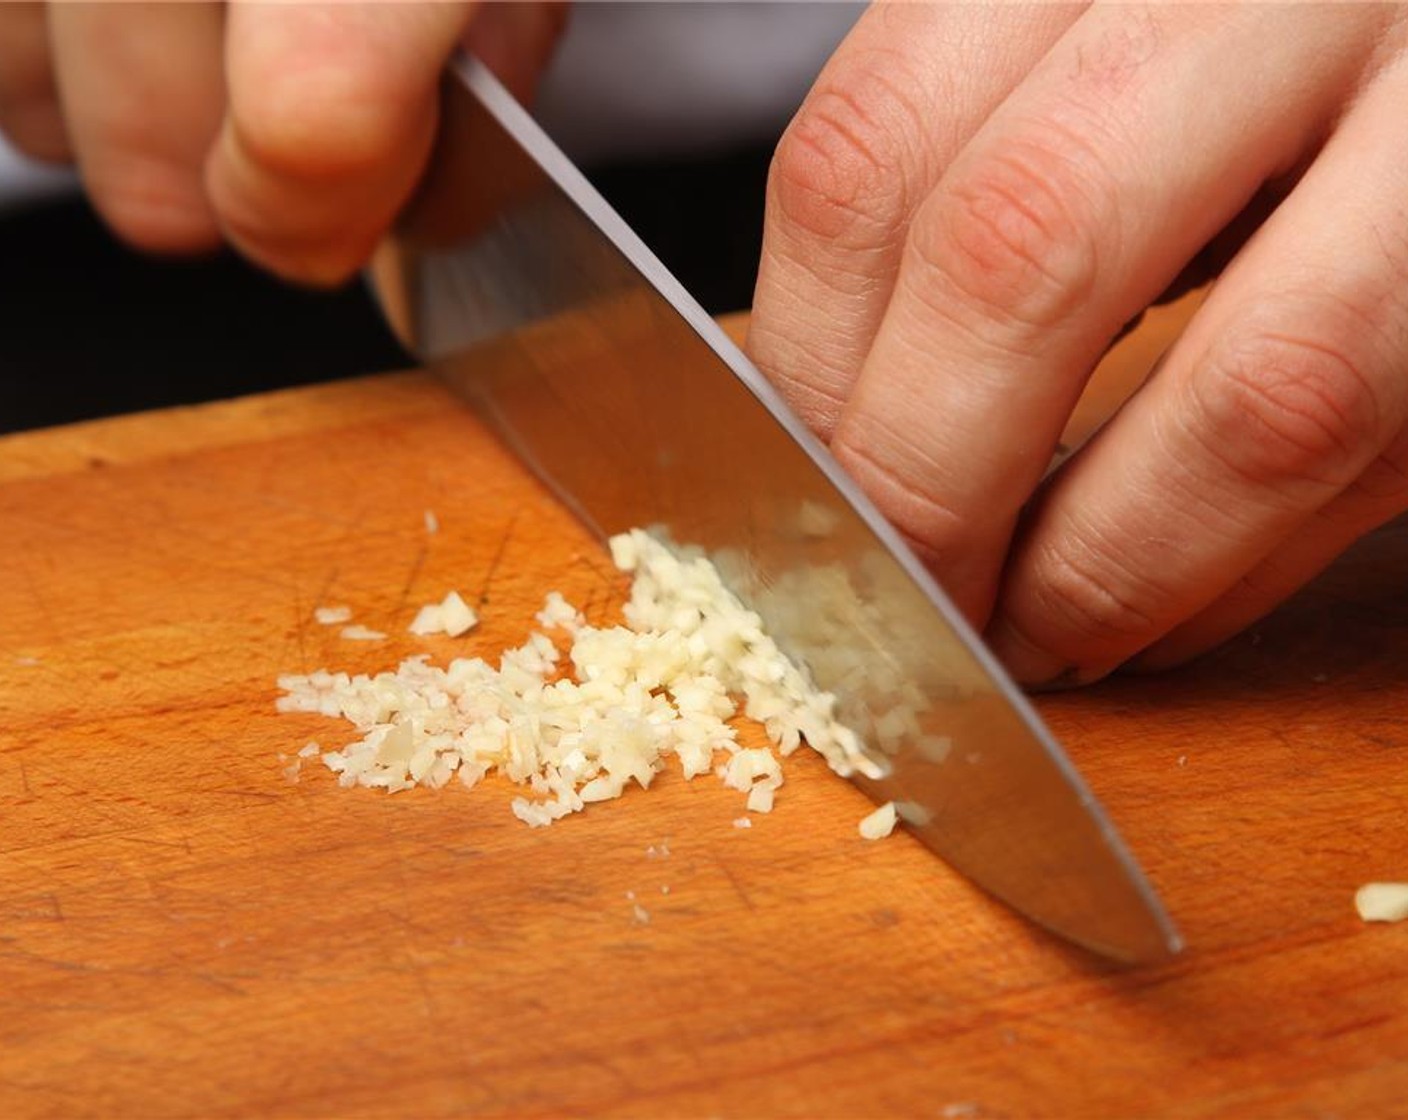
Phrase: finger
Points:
(887, 114)
(142, 95)
(517, 40)
(29, 100)
(1073, 207)
(333, 108)
(1287, 386)
(1217, 254)
(1375, 498)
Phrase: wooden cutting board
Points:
(185, 932)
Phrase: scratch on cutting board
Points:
(39, 601)
(588, 561)
(410, 947)
(483, 597)
(304, 612)
(601, 1062)
(733, 881)
(249, 794)
(219, 982)
(183, 845)
(34, 908)
(330, 579)
(416, 564)
(312, 510)
(608, 576)
(300, 633)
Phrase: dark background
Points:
(90, 328)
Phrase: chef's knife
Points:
(511, 277)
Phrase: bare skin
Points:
(294, 132)
(967, 209)
(971, 204)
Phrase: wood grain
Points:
(184, 932)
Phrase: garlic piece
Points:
(879, 824)
(1382, 902)
(360, 633)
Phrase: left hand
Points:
(971, 204)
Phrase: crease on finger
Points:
(1375, 498)
(903, 498)
(1232, 525)
(143, 93)
(1038, 244)
(1095, 603)
(889, 112)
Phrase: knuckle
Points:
(1384, 482)
(1014, 236)
(839, 172)
(808, 372)
(888, 468)
(319, 122)
(1280, 407)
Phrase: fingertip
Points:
(141, 94)
(153, 205)
(1027, 663)
(308, 233)
(310, 268)
(1034, 668)
(332, 115)
(316, 268)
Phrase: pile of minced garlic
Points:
(663, 685)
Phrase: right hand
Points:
(293, 131)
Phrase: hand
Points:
(293, 131)
(971, 203)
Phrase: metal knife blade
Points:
(513, 278)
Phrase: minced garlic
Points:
(664, 685)
(1382, 902)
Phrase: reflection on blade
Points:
(515, 280)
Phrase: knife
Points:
(512, 278)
